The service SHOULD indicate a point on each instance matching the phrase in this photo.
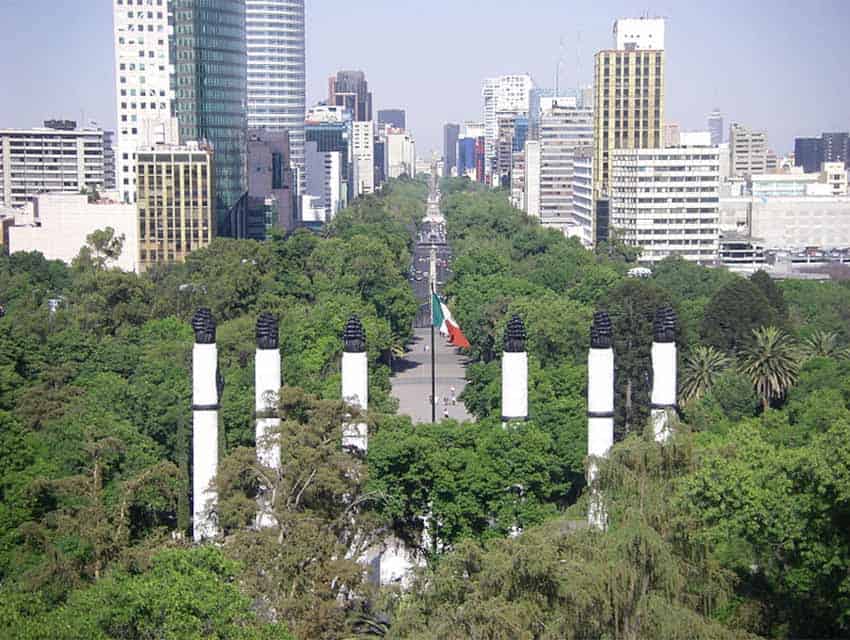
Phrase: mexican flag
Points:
(441, 317)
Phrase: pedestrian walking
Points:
(445, 412)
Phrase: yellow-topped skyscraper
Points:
(628, 104)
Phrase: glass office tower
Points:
(276, 71)
(208, 50)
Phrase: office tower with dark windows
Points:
(277, 71)
(715, 127)
(349, 89)
(208, 50)
(628, 101)
(451, 132)
(836, 148)
(396, 118)
(333, 137)
(808, 153)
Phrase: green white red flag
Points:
(442, 318)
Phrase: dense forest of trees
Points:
(740, 526)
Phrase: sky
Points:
(779, 65)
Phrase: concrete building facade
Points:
(583, 195)
(143, 89)
(350, 89)
(61, 223)
(563, 131)
(277, 93)
(44, 160)
(400, 150)
(748, 151)
(175, 202)
(531, 188)
(325, 185)
(363, 157)
(667, 201)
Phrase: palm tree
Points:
(702, 367)
(821, 344)
(770, 362)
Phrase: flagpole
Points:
(433, 361)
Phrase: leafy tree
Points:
(632, 305)
(183, 594)
(305, 564)
(733, 313)
(702, 367)
(772, 292)
(771, 363)
(102, 247)
(821, 344)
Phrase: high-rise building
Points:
(667, 201)
(628, 101)
(210, 101)
(45, 160)
(400, 150)
(531, 188)
(325, 185)
(451, 132)
(175, 202)
(349, 89)
(143, 89)
(331, 136)
(583, 193)
(715, 126)
(277, 71)
(808, 153)
(466, 157)
(506, 123)
(563, 131)
(363, 157)
(271, 193)
(748, 151)
(396, 118)
(503, 95)
(836, 148)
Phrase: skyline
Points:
(776, 69)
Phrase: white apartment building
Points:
(276, 70)
(143, 85)
(323, 181)
(503, 95)
(639, 33)
(61, 223)
(363, 157)
(531, 193)
(667, 201)
(43, 160)
(563, 130)
(399, 154)
(583, 196)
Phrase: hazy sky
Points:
(779, 64)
